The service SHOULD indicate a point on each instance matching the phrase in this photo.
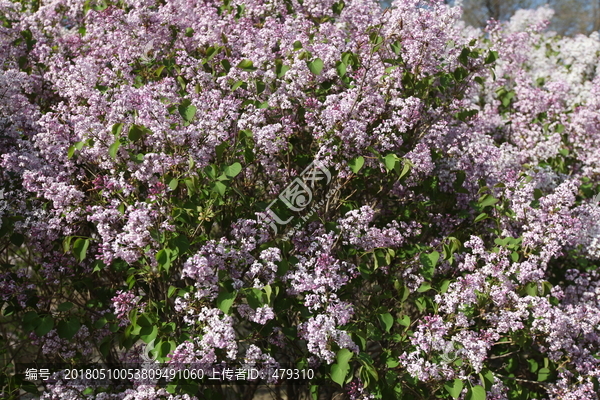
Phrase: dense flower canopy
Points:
(400, 203)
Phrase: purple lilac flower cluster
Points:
(455, 248)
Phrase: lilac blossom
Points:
(114, 143)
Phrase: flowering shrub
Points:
(401, 204)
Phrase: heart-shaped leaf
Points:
(233, 170)
(316, 66)
(136, 132)
(68, 328)
(454, 387)
(429, 261)
(356, 164)
(187, 111)
(80, 248)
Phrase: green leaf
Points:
(99, 324)
(79, 145)
(341, 68)
(100, 6)
(387, 321)
(159, 70)
(343, 356)
(403, 291)
(138, 158)
(315, 66)
(531, 289)
(181, 243)
(46, 324)
(210, 171)
(367, 370)
(514, 256)
(476, 393)
(268, 291)
(225, 301)
(67, 244)
(211, 52)
(429, 262)
(356, 164)
(191, 186)
(116, 129)
(144, 321)
(98, 265)
(464, 56)
(260, 87)
(173, 183)
(375, 39)
(187, 111)
(491, 57)
(465, 115)
(112, 150)
(220, 149)
(148, 333)
(390, 161)
(506, 99)
(189, 32)
(340, 369)
(236, 85)
(546, 288)
(454, 388)
(487, 200)
(347, 58)
(246, 65)
(487, 378)
(66, 306)
(361, 340)
(407, 165)
(226, 65)
(281, 69)
(30, 320)
(136, 132)
(219, 188)
(480, 217)
(233, 170)
(444, 286)
(163, 259)
(543, 374)
(80, 248)
(17, 239)
(68, 328)
(425, 286)
(338, 7)
(164, 348)
(392, 362)
(404, 321)
(460, 74)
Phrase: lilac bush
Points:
(399, 203)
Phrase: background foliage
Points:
(572, 16)
(451, 253)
